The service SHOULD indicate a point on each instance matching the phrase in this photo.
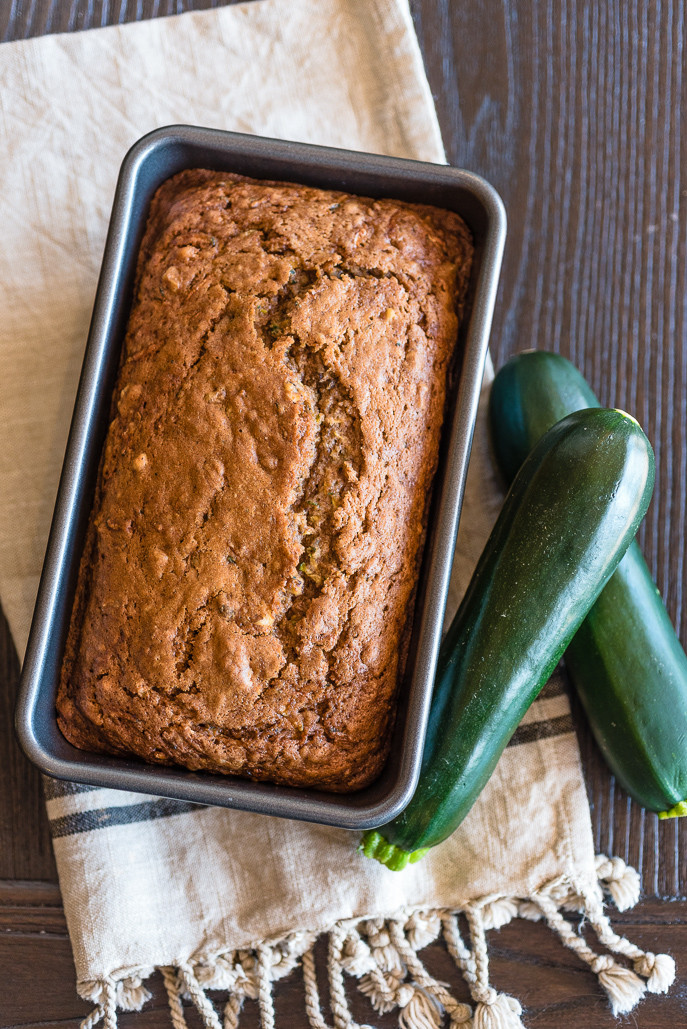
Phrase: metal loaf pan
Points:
(152, 160)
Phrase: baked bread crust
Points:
(244, 598)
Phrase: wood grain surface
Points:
(573, 110)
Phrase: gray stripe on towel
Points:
(553, 688)
(105, 818)
(533, 731)
(58, 788)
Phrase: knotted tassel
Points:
(422, 928)
(623, 987)
(132, 994)
(459, 1013)
(528, 909)
(621, 881)
(356, 956)
(493, 1010)
(382, 989)
(497, 1011)
(384, 953)
(384, 983)
(658, 969)
(499, 912)
(417, 1010)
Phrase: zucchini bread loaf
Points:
(245, 595)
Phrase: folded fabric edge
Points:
(382, 955)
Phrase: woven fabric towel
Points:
(153, 884)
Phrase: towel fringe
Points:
(623, 987)
(381, 955)
(191, 987)
(620, 881)
(313, 1008)
(265, 999)
(658, 969)
(493, 1010)
(173, 987)
(92, 1020)
(337, 988)
(232, 1010)
(459, 1014)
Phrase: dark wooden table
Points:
(574, 111)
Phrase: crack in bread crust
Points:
(245, 594)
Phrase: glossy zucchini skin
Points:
(625, 661)
(532, 392)
(571, 512)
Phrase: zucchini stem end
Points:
(678, 811)
(374, 845)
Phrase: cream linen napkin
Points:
(149, 883)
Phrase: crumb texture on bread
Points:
(244, 595)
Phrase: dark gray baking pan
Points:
(152, 160)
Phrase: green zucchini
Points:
(571, 512)
(625, 661)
